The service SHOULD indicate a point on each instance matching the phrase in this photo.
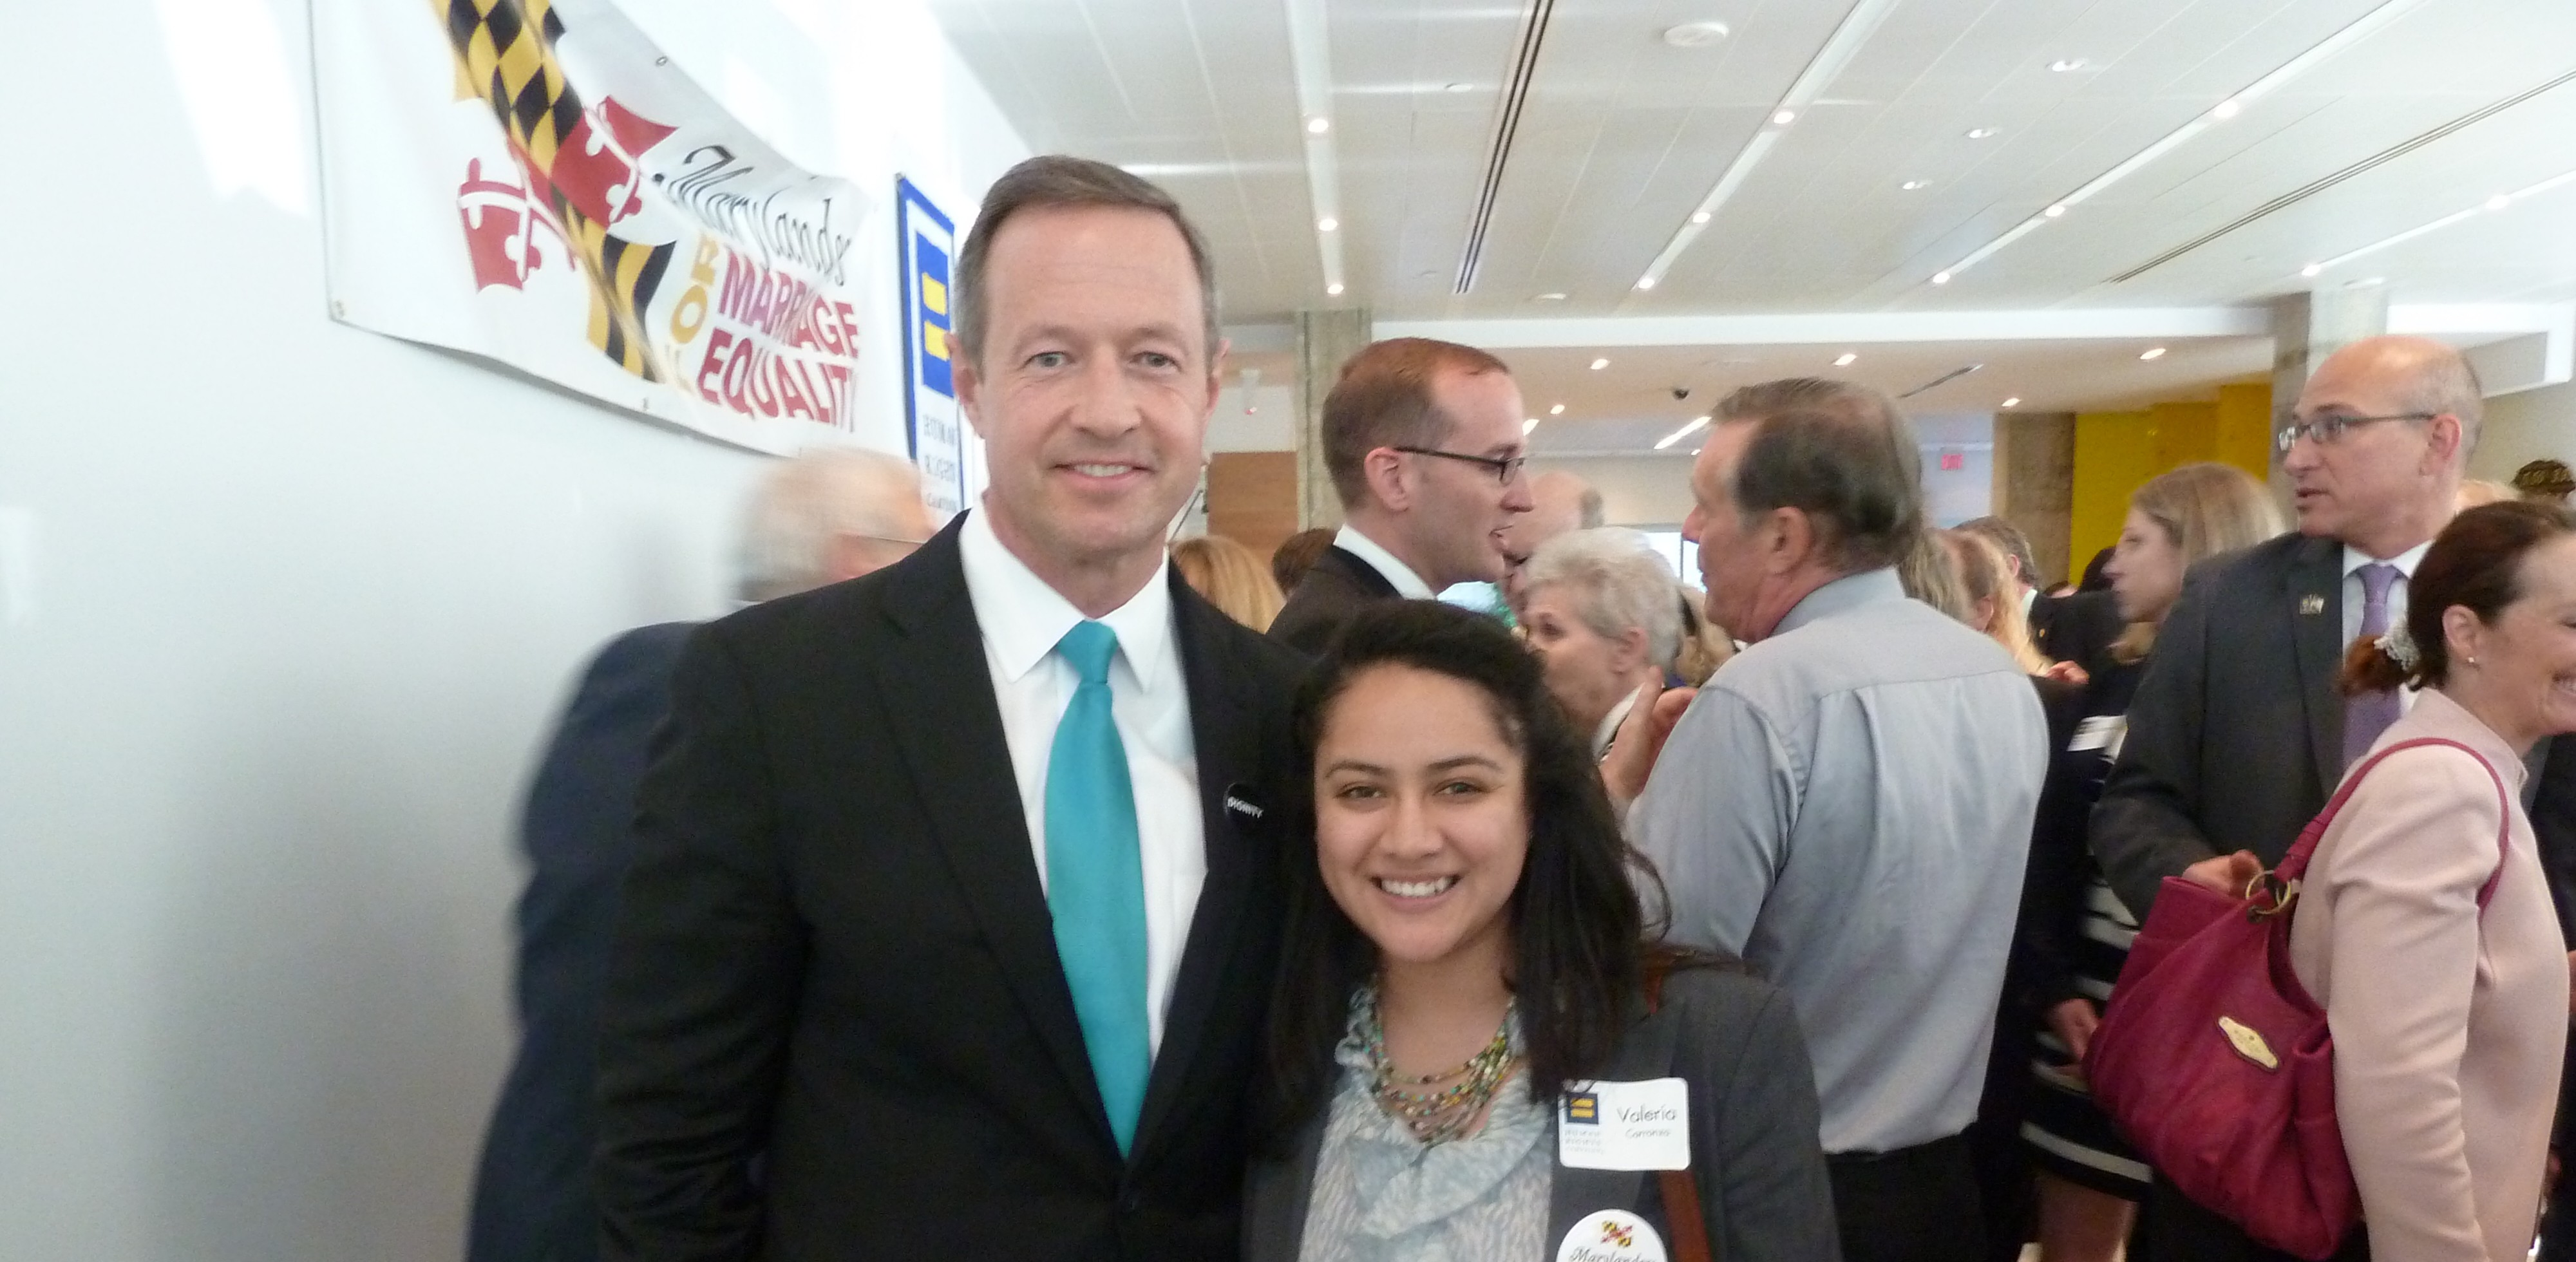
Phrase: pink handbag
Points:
(2218, 1066)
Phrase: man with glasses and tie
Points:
(2237, 735)
(1423, 441)
(954, 915)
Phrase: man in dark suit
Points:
(823, 517)
(954, 901)
(2237, 735)
(1423, 441)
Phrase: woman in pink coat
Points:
(2449, 1025)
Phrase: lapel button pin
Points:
(2312, 604)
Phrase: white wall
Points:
(285, 611)
(1653, 491)
(2524, 427)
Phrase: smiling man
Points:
(954, 914)
(1423, 440)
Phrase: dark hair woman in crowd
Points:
(1464, 944)
(2074, 931)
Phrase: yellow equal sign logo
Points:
(1583, 1106)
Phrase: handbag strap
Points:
(2295, 864)
(1681, 1191)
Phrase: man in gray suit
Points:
(2237, 735)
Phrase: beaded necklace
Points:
(1436, 1117)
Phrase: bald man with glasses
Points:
(1423, 442)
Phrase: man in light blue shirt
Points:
(1847, 804)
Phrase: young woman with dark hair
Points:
(1469, 988)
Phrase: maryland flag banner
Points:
(534, 182)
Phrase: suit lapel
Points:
(2314, 589)
(1226, 734)
(939, 692)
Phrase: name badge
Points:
(1612, 1235)
(1625, 1125)
(2104, 732)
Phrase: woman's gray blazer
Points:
(1754, 1151)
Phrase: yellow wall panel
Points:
(2116, 452)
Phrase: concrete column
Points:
(1325, 341)
(2308, 327)
(2035, 484)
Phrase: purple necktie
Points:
(2367, 714)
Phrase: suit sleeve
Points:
(2144, 830)
(702, 985)
(1714, 819)
(1775, 1200)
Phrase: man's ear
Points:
(1383, 470)
(2443, 439)
(1788, 539)
(969, 380)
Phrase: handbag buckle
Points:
(2268, 895)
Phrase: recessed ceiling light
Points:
(2054, 211)
(1599, 364)
(1911, 185)
(2312, 269)
(1845, 360)
(1699, 216)
(1548, 297)
(2499, 201)
(1530, 424)
(1327, 224)
(2152, 352)
(2229, 108)
(1980, 133)
(1940, 278)
(1335, 289)
(1318, 126)
(2013, 402)
(1558, 410)
(1645, 282)
(1784, 118)
(1459, 87)
(2062, 65)
(1695, 34)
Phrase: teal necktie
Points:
(1096, 881)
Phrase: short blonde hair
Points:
(1986, 575)
(1231, 576)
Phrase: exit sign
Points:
(1952, 462)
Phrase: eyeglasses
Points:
(1505, 468)
(2328, 430)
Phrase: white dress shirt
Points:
(1022, 619)
(1407, 583)
(2354, 596)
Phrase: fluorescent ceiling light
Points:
(1599, 364)
(2054, 211)
(1839, 48)
(1528, 425)
(1684, 432)
(1558, 410)
(1547, 297)
(1310, 60)
(1845, 359)
(2360, 29)
(2498, 202)
(2013, 402)
(2152, 352)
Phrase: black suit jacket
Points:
(1331, 594)
(2236, 732)
(834, 950)
(2076, 628)
(532, 1200)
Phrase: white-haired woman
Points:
(1605, 615)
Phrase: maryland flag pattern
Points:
(577, 160)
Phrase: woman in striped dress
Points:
(2076, 932)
